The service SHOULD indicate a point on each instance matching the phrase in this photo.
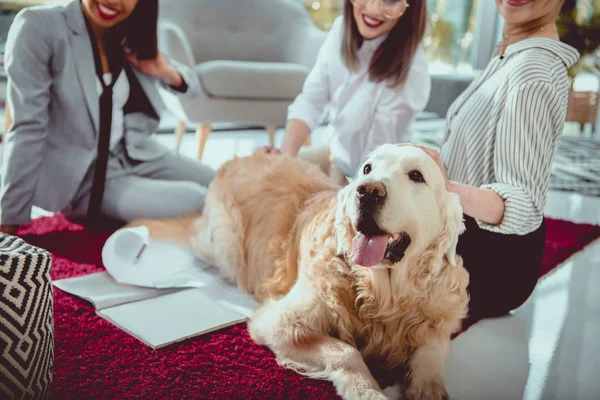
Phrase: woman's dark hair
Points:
(392, 61)
(140, 30)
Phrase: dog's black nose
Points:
(371, 191)
(371, 197)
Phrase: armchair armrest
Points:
(174, 42)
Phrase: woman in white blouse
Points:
(500, 139)
(371, 76)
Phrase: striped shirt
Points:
(502, 131)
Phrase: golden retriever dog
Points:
(370, 275)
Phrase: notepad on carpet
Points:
(159, 292)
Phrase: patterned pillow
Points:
(26, 320)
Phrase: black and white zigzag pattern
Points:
(26, 320)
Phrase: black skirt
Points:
(503, 269)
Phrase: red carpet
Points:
(94, 359)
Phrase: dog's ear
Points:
(453, 225)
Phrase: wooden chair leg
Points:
(179, 131)
(272, 129)
(203, 131)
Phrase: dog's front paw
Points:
(359, 389)
(432, 390)
(372, 394)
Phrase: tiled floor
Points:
(548, 349)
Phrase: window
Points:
(456, 40)
(8, 10)
(449, 38)
(7, 15)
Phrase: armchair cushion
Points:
(251, 80)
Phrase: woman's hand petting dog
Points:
(434, 154)
(272, 150)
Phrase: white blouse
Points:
(362, 114)
(501, 133)
(120, 97)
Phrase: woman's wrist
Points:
(479, 203)
(289, 150)
(451, 186)
(171, 77)
(296, 133)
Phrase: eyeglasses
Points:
(389, 8)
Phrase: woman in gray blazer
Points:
(83, 93)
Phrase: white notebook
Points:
(159, 292)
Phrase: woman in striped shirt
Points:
(500, 139)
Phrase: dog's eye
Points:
(416, 176)
(367, 169)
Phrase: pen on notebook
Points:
(139, 254)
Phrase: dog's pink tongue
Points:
(368, 250)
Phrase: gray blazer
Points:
(54, 104)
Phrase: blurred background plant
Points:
(323, 12)
(449, 36)
(579, 26)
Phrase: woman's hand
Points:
(320, 197)
(271, 150)
(482, 204)
(157, 67)
(9, 229)
(435, 155)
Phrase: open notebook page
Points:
(103, 291)
(163, 320)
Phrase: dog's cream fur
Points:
(321, 315)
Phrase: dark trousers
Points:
(503, 269)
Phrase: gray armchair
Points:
(252, 57)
